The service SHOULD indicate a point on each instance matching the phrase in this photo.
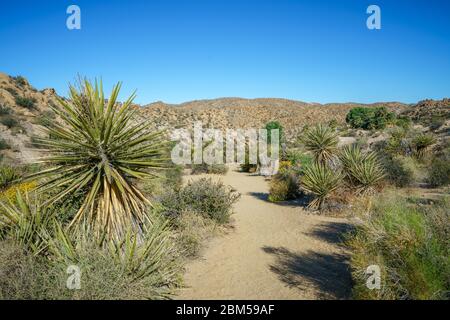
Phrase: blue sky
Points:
(175, 51)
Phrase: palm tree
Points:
(320, 180)
(101, 148)
(321, 141)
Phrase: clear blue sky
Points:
(175, 51)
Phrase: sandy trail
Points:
(274, 252)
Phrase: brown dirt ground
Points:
(274, 251)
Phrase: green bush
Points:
(439, 172)
(25, 102)
(204, 196)
(409, 244)
(4, 110)
(400, 171)
(209, 169)
(4, 145)
(284, 186)
(9, 121)
(403, 122)
(192, 230)
(369, 118)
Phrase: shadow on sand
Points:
(301, 201)
(328, 273)
(331, 232)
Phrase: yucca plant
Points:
(26, 222)
(362, 170)
(422, 143)
(320, 180)
(321, 141)
(101, 148)
(8, 175)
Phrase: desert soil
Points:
(273, 251)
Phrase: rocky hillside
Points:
(252, 113)
(23, 113)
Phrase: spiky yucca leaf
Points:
(27, 222)
(363, 170)
(422, 143)
(320, 180)
(321, 141)
(101, 147)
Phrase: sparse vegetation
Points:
(9, 121)
(409, 244)
(24, 102)
(4, 145)
(204, 196)
(4, 110)
(284, 186)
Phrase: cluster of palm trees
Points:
(335, 167)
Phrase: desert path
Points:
(273, 251)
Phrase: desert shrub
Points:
(321, 141)
(28, 103)
(284, 186)
(12, 91)
(192, 230)
(209, 169)
(204, 196)
(170, 179)
(409, 244)
(4, 110)
(45, 119)
(4, 145)
(369, 118)
(400, 171)
(403, 121)
(439, 172)
(320, 180)
(9, 121)
(20, 81)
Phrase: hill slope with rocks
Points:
(24, 111)
(253, 113)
